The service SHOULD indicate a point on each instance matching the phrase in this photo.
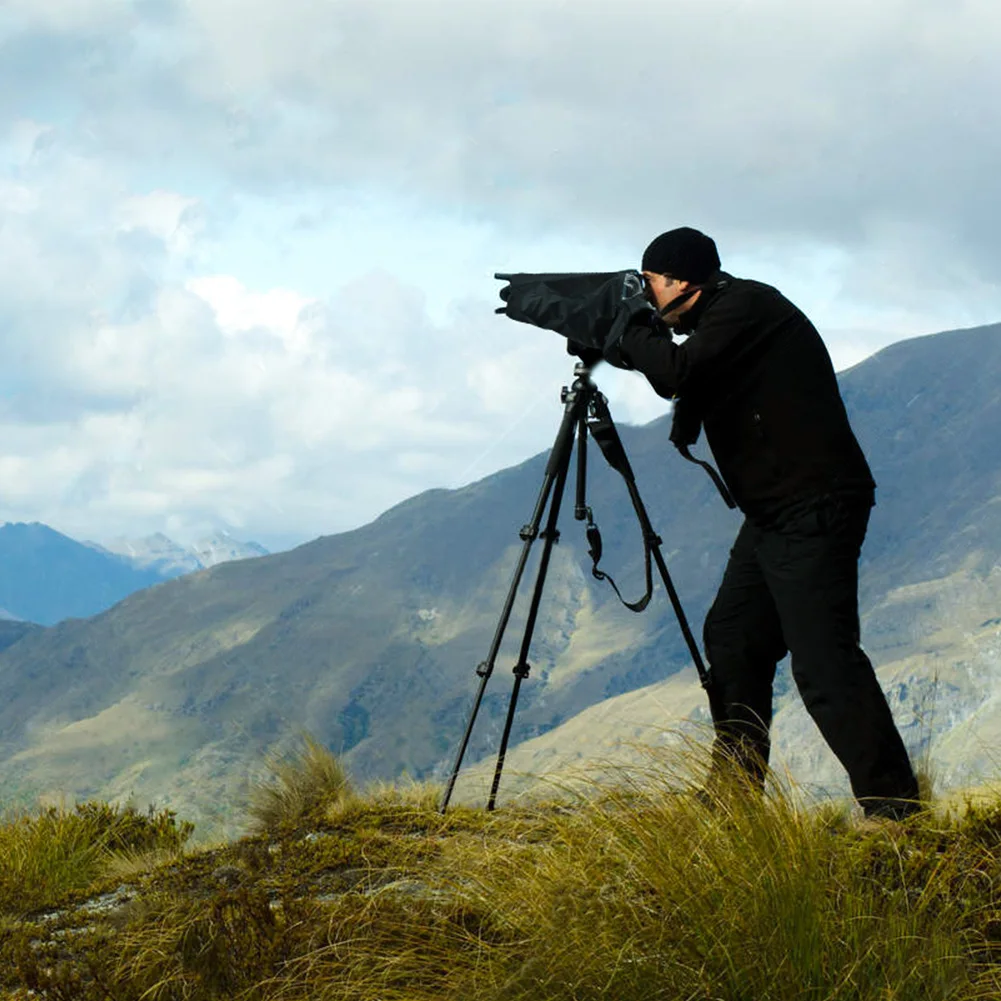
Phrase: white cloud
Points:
(854, 127)
(68, 15)
(22, 141)
(766, 98)
(16, 198)
(237, 309)
(200, 400)
(245, 243)
(170, 217)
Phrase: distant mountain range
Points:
(169, 559)
(370, 638)
(46, 576)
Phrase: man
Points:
(756, 375)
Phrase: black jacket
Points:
(756, 373)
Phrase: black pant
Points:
(791, 585)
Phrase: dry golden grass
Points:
(47, 857)
(298, 782)
(632, 888)
(128, 866)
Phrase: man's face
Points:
(662, 289)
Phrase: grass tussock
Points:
(648, 895)
(298, 782)
(47, 857)
(631, 889)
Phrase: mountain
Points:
(169, 559)
(46, 576)
(370, 638)
(221, 547)
(13, 630)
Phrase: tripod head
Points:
(581, 380)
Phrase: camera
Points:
(590, 309)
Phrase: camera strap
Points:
(686, 424)
(716, 478)
(594, 541)
(606, 437)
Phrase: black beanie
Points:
(684, 253)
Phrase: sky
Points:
(247, 246)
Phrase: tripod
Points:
(585, 411)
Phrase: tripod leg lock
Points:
(521, 670)
(484, 670)
(555, 535)
(528, 533)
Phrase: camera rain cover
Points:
(587, 308)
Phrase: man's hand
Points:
(589, 356)
(613, 353)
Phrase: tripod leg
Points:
(551, 536)
(559, 459)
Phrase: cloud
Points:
(139, 397)
(871, 128)
(67, 15)
(167, 216)
(244, 243)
